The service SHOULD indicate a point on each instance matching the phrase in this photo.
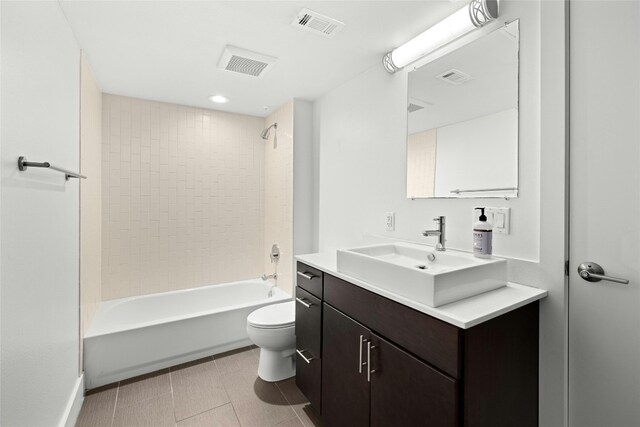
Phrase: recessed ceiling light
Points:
(219, 99)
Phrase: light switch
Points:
(500, 219)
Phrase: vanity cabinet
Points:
(384, 364)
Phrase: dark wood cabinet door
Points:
(308, 323)
(345, 391)
(308, 379)
(407, 392)
(501, 370)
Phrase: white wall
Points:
(490, 160)
(303, 166)
(362, 131)
(39, 216)
(360, 134)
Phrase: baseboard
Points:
(71, 412)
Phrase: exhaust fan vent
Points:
(416, 104)
(245, 61)
(454, 77)
(317, 23)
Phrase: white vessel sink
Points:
(405, 269)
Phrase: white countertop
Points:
(463, 314)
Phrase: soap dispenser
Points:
(482, 236)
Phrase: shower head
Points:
(265, 133)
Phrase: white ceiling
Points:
(168, 51)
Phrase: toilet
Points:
(272, 328)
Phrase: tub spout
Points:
(275, 284)
(272, 290)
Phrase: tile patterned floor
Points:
(223, 390)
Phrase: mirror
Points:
(463, 121)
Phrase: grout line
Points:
(235, 413)
(290, 405)
(224, 387)
(215, 362)
(115, 404)
(205, 411)
(209, 409)
(173, 402)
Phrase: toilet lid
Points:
(273, 316)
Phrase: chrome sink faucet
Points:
(439, 232)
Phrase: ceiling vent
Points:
(245, 61)
(416, 104)
(317, 23)
(454, 77)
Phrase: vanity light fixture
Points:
(219, 99)
(476, 14)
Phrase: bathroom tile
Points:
(155, 412)
(293, 422)
(223, 416)
(309, 416)
(257, 403)
(154, 153)
(97, 409)
(201, 390)
(238, 360)
(197, 387)
(144, 387)
(299, 403)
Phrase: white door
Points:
(604, 316)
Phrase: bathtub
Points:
(136, 335)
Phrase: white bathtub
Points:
(136, 335)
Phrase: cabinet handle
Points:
(306, 359)
(303, 302)
(306, 275)
(368, 363)
(360, 364)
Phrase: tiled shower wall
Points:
(183, 197)
(279, 194)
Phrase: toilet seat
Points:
(274, 316)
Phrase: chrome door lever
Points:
(592, 272)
